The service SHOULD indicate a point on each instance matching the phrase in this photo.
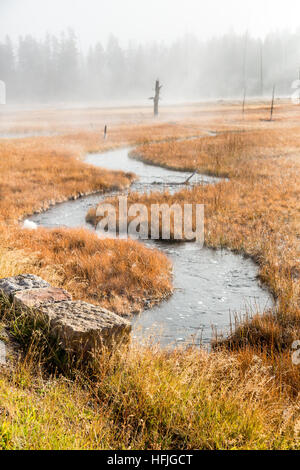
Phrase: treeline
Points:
(56, 70)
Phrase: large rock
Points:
(82, 327)
(10, 285)
(34, 298)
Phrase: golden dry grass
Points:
(119, 275)
(37, 172)
(145, 398)
(245, 394)
(256, 212)
(216, 156)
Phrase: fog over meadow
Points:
(78, 64)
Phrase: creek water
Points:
(210, 286)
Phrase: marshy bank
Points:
(210, 287)
(242, 397)
(248, 214)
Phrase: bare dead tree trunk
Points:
(244, 101)
(272, 104)
(156, 97)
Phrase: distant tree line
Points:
(56, 70)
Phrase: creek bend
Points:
(209, 286)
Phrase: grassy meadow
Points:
(242, 395)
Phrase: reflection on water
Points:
(148, 174)
(210, 286)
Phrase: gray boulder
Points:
(34, 298)
(82, 327)
(79, 327)
(10, 285)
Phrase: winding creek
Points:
(209, 286)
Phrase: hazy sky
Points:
(144, 20)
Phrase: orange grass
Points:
(243, 397)
(255, 213)
(217, 156)
(120, 275)
(143, 398)
(38, 172)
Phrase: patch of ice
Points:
(28, 225)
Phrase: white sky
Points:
(146, 20)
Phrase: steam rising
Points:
(42, 67)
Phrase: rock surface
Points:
(10, 285)
(78, 326)
(34, 298)
(81, 327)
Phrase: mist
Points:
(99, 52)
